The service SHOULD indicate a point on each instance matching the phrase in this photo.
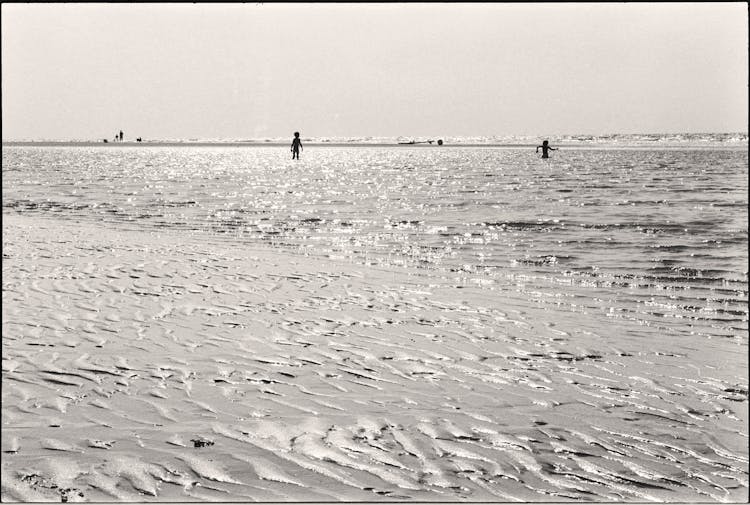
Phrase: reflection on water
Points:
(655, 236)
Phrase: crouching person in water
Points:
(545, 147)
(296, 145)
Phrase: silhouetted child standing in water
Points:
(296, 145)
(545, 147)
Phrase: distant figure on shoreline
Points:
(116, 137)
(545, 147)
(120, 135)
(296, 145)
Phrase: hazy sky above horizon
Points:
(85, 71)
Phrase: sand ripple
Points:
(139, 367)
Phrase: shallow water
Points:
(656, 236)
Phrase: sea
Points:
(648, 228)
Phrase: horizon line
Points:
(344, 138)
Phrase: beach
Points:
(142, 366)
(374, 324)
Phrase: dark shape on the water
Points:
(105, 141)
(440, 142)
(138, 139)
(545, 147)
(296, 145)
(120, 135)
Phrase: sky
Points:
(240, 71)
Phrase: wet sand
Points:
(144, 366)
